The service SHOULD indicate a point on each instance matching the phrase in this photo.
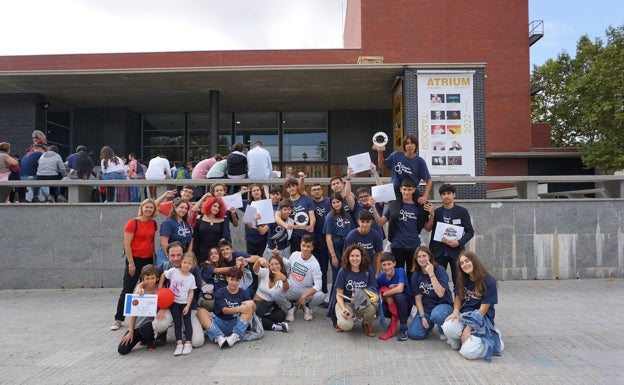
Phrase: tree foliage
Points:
(583, 99)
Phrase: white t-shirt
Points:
(158, 168)
(180, 284)
(112, 167)
(304, 273)
(264, 291)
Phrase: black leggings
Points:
(145, 334)
(129, 282)
(179, 319)
(269, 313)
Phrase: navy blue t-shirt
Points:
(472, 302)
(304, 204)
(421, 284)
(358, 208)
(321, 209)
(223, 298)
(348, 280)
(411, 221)
(371, 242)
(176, 231)
(339, 227)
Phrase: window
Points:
(199, 136)
(163, 134)
(305, 136)
(262, 126)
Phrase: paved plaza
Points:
(555, 332)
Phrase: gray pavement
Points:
(555, 332)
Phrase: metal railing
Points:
(527, 187)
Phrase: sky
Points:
(103, 26)
(565, 21)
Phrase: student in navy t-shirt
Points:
(396, 295)
(407, 165)
(412, 219)
(434, 300)
(369, 239)
(302, 215)
(470, 328)
(232, 312)
(337, 226)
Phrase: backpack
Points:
(140, 170)
(181, 173)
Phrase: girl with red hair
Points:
(209, 227)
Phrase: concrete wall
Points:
(69, 246)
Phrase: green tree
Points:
(583, 99)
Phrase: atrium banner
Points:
(446, 122)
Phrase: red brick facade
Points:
(493, 32)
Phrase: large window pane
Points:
(163, 122)
(199, 135)
(263, 126)
(163, 134)
(305, 136)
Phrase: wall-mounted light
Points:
(45, 105)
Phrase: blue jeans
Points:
(338, 246)
(36, 191)
(221, 327)
(135, 193)
(321, 253)
(416, 331)
(404, 304)
(111, 192)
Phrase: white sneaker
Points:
(414, 312)
(280, 327)
(116, 325)
(326, 299)
(188, 348)
(307, 313)
(502, 344)
(443, 337)
(221, 341)
(290, 316)
(178, 350)
(232, 339)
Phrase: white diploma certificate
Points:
(140, 305)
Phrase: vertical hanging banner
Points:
(446, 122)
(397, 116)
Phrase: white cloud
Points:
(83, 26)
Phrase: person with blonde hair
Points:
(139, 233)
(39, 138)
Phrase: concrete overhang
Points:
(258, 88)
(242, 88)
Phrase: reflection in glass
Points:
(305, 133)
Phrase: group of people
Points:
(235, 295)
(41, 162)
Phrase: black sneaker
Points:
(402, 335)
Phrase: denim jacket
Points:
(482, 327)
